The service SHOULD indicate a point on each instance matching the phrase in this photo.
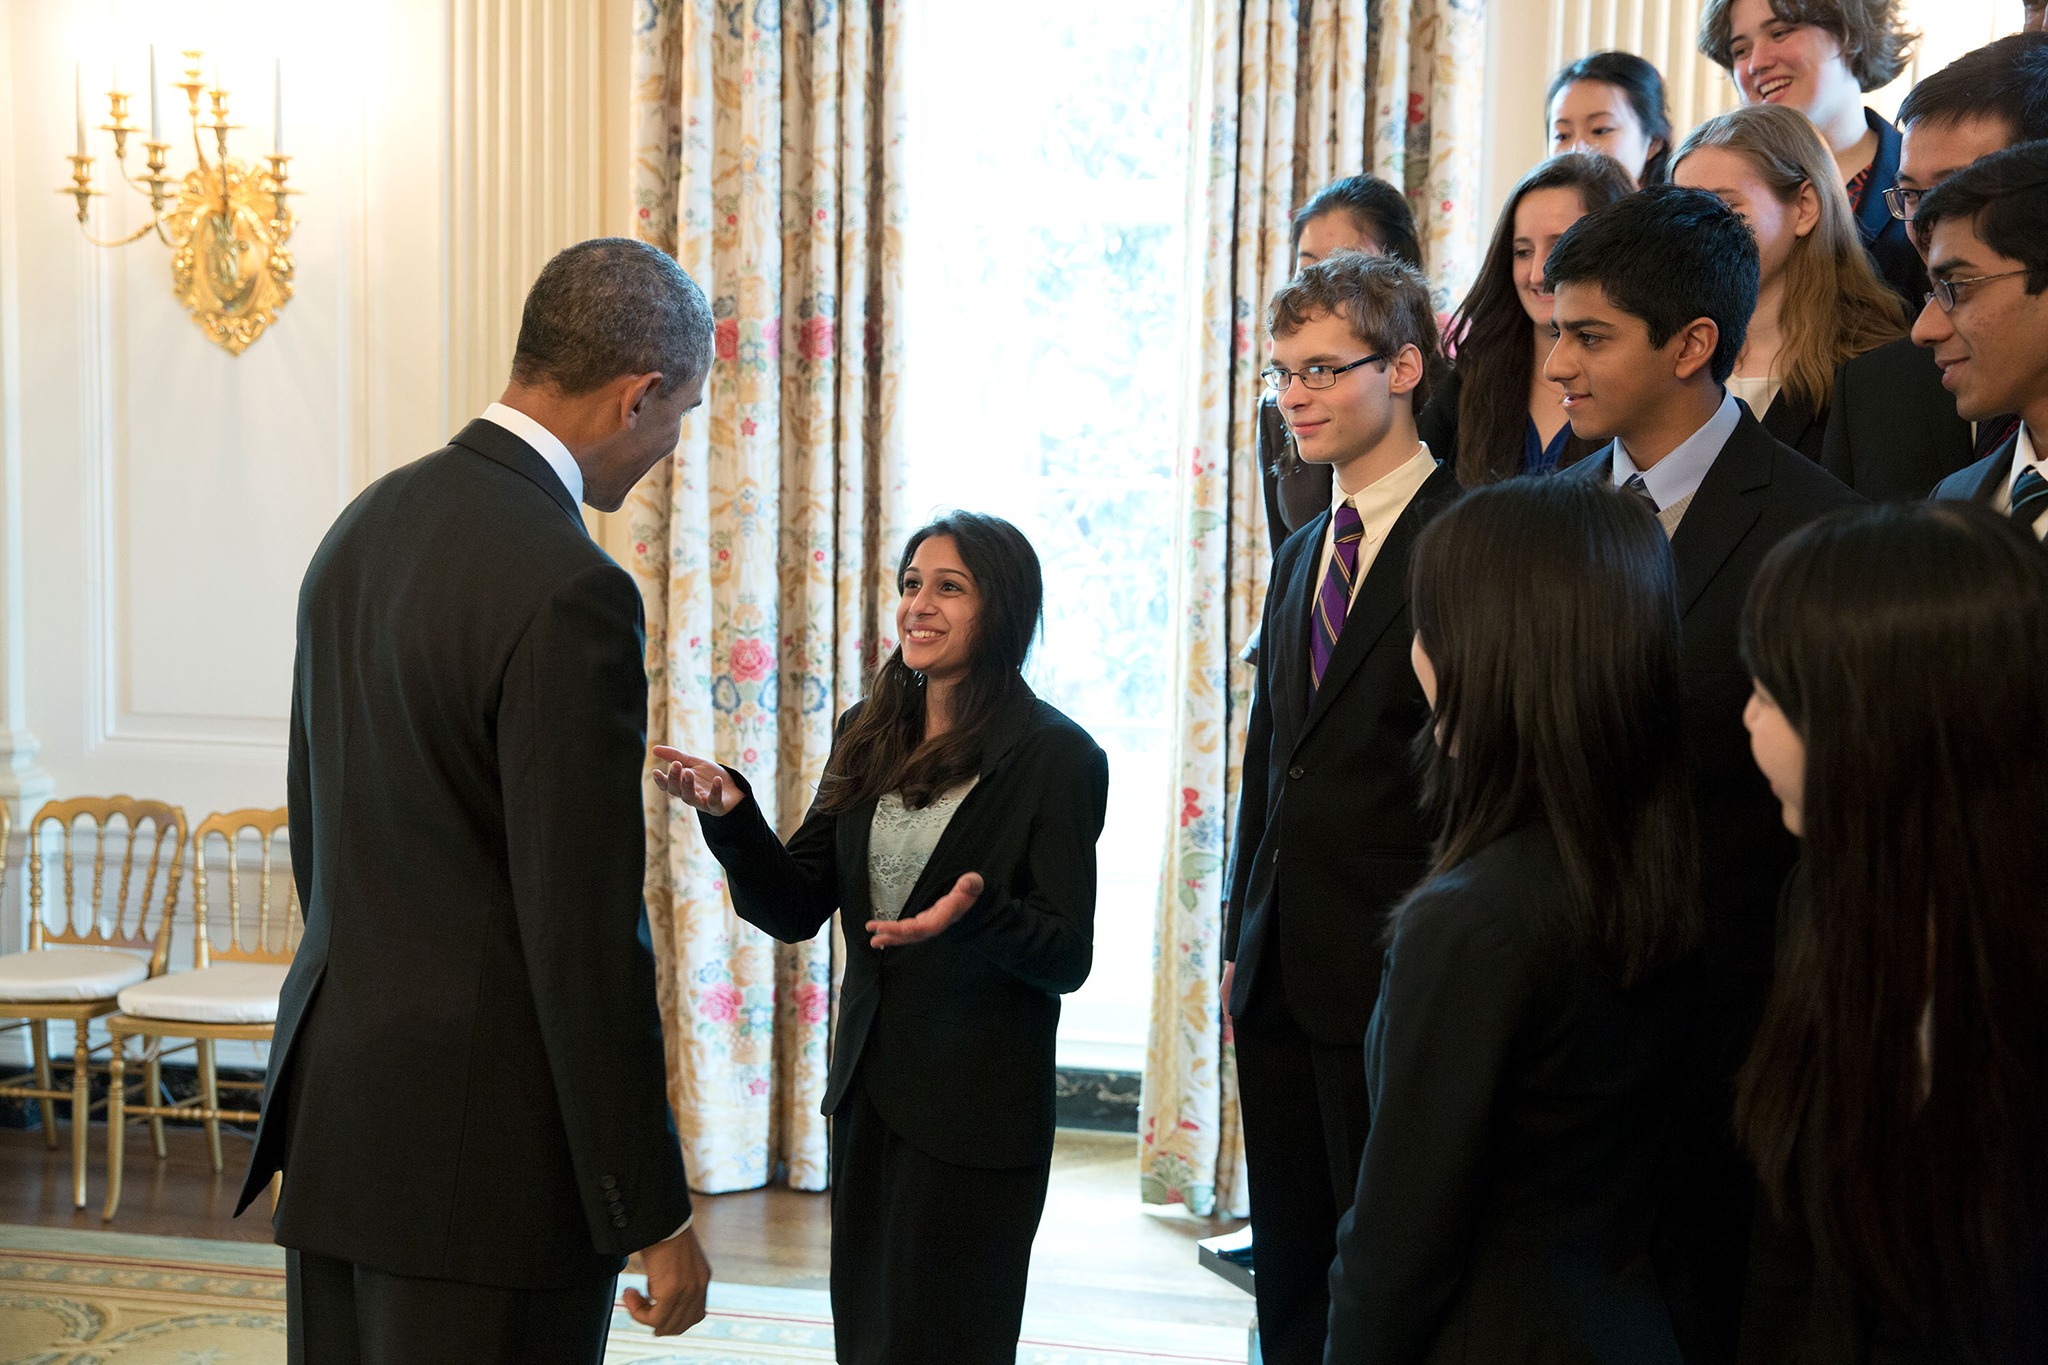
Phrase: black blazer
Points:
(1884, 237)
(1981, 481)
(1892, 429)
(467, 1079)
(1327, 817)
(1797, 423)
(1503, 1207)
(952, 1037)
(1437, 425)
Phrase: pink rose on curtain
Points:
(813, 1003)
(751, 660)
(721, 1004)
(728, 339)
(815, 343)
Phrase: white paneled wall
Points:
(159, 498)
(1665, 32)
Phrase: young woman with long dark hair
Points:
(1613, 103)
(1519, 1054)
(955, 828)
(1819, 302)
(1896, 1099)
(1496, 416)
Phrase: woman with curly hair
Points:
(1821, 57)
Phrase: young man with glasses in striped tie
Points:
(1329, 834)
(1986, 231)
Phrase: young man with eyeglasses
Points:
(1654, 294)
(1986, 231)
(1893, 431)
(1329, 829)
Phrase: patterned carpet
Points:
(110, 1298)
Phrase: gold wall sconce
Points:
(226, 222)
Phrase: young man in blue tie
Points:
(1986, 322)
(1329, 833)
(1654, 294)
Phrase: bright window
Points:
(1046, 265)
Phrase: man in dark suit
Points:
(1329, 834)
(1654, 294)
(1893, 430)
(1987, 324)
(467, 1095)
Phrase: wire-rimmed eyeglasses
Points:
(1311, 377)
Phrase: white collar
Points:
(545, 444)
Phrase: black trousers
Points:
(340, 1313)
(1305, 1119)
(929, 1259)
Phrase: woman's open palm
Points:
(696, 782)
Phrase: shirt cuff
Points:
(681, 1230)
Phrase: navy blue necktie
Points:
(2029, 498)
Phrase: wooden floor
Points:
(1100, 1253)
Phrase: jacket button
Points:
(1276, 857)
(619, 1220)
(1297, 773)
(608, 1183)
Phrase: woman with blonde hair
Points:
(1819, 302)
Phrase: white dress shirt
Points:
(1673, 480)
(2024, 458)
(544, 441)
(1379, 505)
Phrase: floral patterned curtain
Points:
(1290, 94)
(767, 160)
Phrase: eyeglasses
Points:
(1314, 377)
(1903, 203)
(1947, 292)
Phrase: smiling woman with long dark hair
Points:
(1896, 1100)
(1519, 1054)
(955, 828)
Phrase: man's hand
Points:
(1229, 976)
(894, 933)
(696, 782)
(677, 1276)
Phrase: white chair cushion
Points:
(68, 975)
(230, 993)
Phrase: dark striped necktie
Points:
(1333, 598)
(2029, 498)
(1636, 486)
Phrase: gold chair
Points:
(75, 972)
(231, 992)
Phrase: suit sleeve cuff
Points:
(681, 1230)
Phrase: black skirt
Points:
(929, 1259)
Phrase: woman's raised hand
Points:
(696, 782)
(894, 933)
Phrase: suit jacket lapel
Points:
(1005, 733)
(2000, 470)
(1721, 512)
(1288, 673)
(1787, 419)
(1381, 597)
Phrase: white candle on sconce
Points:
(78, 101)
(277, 117)
(155, 123)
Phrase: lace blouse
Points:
(900, 843)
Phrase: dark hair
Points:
(1549, 608)
(1386, 302)
(1496, 341)
(2006, 79)
(1642, 83)
(1668, 256)
(885, 749)
(612, 306)
(1876, 44)
(1379, 210)
(1907, 1031)
(2007, 194)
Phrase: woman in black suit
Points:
(956, 823)
(1896, 1098)
(1525, 1025)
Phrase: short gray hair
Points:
(612, 306)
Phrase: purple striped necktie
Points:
(1333, 598)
